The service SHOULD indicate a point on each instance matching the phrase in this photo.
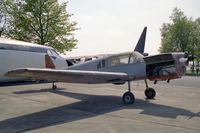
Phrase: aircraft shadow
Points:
(22, 83)
(89, 106)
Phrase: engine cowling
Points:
(165, 66)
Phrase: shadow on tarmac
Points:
(89, 106)
(22, 83)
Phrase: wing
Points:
(69, 76)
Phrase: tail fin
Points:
(141, 42)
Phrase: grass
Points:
(189, 73)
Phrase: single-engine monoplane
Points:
(116, 69)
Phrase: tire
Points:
(150, 93)
(128, 98)
(54, 87)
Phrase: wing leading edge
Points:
(69, 76)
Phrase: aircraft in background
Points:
(16, 54)
(116, 69)
(81, 59)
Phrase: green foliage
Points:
(197, 39)
(3, 16)
(182, 34)
(45, 22)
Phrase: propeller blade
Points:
(183, 60)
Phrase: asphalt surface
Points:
(77, 108)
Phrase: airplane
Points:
(116, 69)
(15, 54)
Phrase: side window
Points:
(36, 49)
(118, 60)
(134, 58)
(55, 53)
(52, 52)
(103, 63)
(124, 59)
(115, 61)
(49, 52)
(99, 65)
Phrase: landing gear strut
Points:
(54, 86)
(150, 93)
(128, 97)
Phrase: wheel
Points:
(128, 98)
(150, 93)
(54, 87)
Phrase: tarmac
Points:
(78, 108)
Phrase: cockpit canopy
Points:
(125, 58)
(107, 62)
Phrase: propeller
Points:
(187, 57)
(183, 60)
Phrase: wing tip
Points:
(12, 73)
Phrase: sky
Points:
(114, 26)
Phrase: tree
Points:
(3, 16)
(197, 39)
(183, 34)
(45, 22)
(177, 36)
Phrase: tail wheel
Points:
(150, 93)
(128, 98)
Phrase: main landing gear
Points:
(54, 87)
(150, 93)
(129, 98)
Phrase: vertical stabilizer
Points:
(141, 42)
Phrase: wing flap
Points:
(70, 76)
